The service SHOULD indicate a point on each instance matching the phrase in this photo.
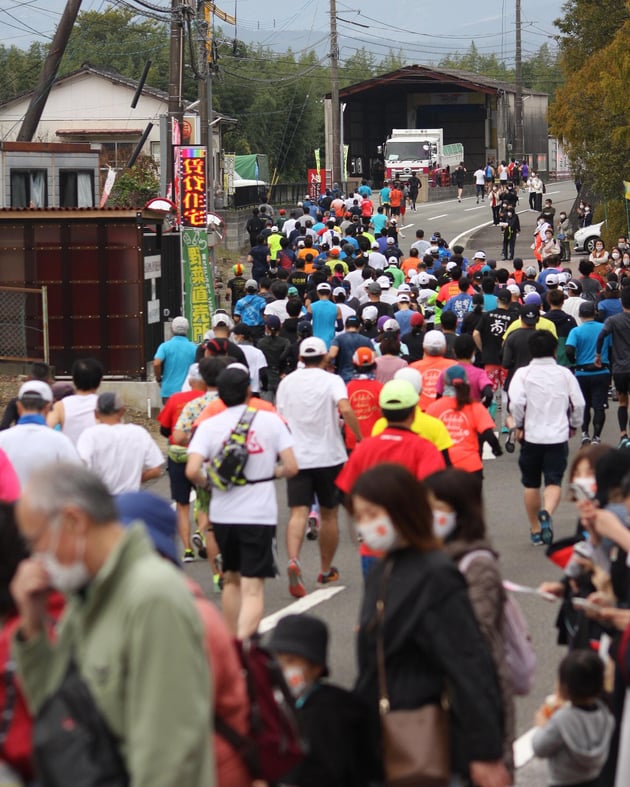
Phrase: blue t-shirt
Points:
(460, 304)
(608, 307)
(177, 355)
(324, 314)
(385, 192)
(489, 302)
(584, 339)
(403, 318)
(348, 343)
(365, 191)
(250, 308)
(378, 221)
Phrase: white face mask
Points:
(615, 255)
(295, 679)
(444, 523)
(588, 484)
(378, 534)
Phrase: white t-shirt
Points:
(346, 311)
(256, 361)
(78, 414)
(377, 260)
(480, 177)
(279, 308)
(308, 399)
(33, 446)
(355, 279)
(119, 453)
(251, 504)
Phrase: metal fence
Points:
(24, 324)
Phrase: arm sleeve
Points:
(547, 740)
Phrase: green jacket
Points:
(137, 641)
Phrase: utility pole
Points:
(49, 71)
(335, 115)
(176, 71)
(519, 133)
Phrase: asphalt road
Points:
(507, 526)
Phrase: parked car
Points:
(584, 238)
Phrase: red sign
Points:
(316, 182)
(193, 186)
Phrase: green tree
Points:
(135, 186)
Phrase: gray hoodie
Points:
(575, 741)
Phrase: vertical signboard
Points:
(229, 161)
(316, 180)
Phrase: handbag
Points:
(416, 742)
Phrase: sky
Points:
(425, 31)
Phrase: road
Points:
(507, 526)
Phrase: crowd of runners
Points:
(367, 377)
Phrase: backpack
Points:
(225, 470)
(274, 745)
(519, 652)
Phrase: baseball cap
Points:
(532, 299)
(376, 246)
(364, 356)
(391, 325)
(180, 326)
(370, 313)
(412, 376)
(551, 280)
(335, 251)
(384, 282)
(574, 285)
(450, 266)
(417, 319)
(274, 228)
(424, 279)
(272, 321)
(36, 389)
(455, 374)
(529, 314)
(221, 318)
(292, 291)
(404, 288)
(392, 260)
(403, 297)
(313, 347)
(587, 309)
(324, 287)
(374, 288)
(194, 373)
(530, 270)
(563, 277)
(479, 255)
(382, 320)
(390, 241)
(397, 395)
(251, 284)
(109, 403)
(352, 321)
(339, 291)
(157, 516)
(434, 340)
(393, 221)
(513, 289)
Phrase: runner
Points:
(431, 365)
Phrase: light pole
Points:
(335, 118)
(519, 131)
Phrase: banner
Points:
(318, 165)
(315, 179)
(626, 188)
(346, 148)
(107, 188)
(229, 162)
(193, 185)
(199, 302)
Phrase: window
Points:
(76, 188)
(29, 188)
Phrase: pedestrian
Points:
(31, 444)
(547, 406)
(244, 516)
(432, 363)
(256, 360)
(112, 637)
(389, 361)
(311, 401)
(235, 287)
(459, 177)
(260, 258)
(414, 185)
(75, 413)
(254, 226)
(172, 361)
(363, 392)
(124, 456)
(416, 588)
(618, 328)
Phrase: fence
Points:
(24, 324)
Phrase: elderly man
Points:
(130, 627)
(173, 359)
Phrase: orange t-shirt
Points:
(395, 198)
(464, 427)
(410, 264)
(430, 367)
(217, 406)
(363, 398)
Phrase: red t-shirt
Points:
(430, 368)
(464, 427)
(363, 398)
(173, 408)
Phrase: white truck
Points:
(417, 151)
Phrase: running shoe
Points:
(596, 440)
(624, 442)
(312, 526)
(199, 542)
(217, 583)
(189, 556)
(331, 576)
(537, 539)
(586, 440)
(546, 525)
(296, 584)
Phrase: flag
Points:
(107, 188)
(317, 164)
(626, 188)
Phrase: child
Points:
(576, 737)
(332, 719)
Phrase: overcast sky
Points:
(426, 31)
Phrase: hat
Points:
(374, 288)
(370, 313)
(238, 269)
(455, 374)
(61, 389)
(530, 271)
(352, 321)
(505, 294)
(410, 375)
(417, 319)
(404, 288)
(339, 291)
(529, 314)
(392, 260)
(551, 280)
(324, 287)
(221, 318)
(532, 299)
(335, 251)
(477, 275)
(434, 238)
(36, 389)
(194, 373)
(393, 221)
(302, 635)
(282, 211)
(251, 284)
(158, 517)
(434, 250)
(180, 326)
(397, 395)
(513, 289)
(292, 291)
(587, 309)
(479, 255)
(364, 356)
(305, 328)
(391, 325)
(486, 269)
(109, 403)
(313, 347)
(424, 279)
(384, 282)
(390, 241)
(403, 297)
(274, 228)
(382, 320)
(300, 244)
(434, 340)
(272, 321)
(574, 285)
(450, 266)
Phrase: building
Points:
(475, 110)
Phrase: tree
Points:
(135, 186)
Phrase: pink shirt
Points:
(477, 379)
(9, 482)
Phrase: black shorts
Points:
(622, 382)
(395, 211)
(248, 550)
(180, 485)
(320, 481)
(548, 461)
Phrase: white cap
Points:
(370, 313)
(404, 288)
(391, 325)
(375, 246)
(324, 287)
(412, 376)
(221, 318)
(36, 388)
(551, 279)
(392, 260)
(450, 266)
(434, 340)
(424, 278)
(313, 347)
(194, 373)
(514, 289)
(403, 297)
(180, 326)
(390, 241)
(384, 282)
(274, 228)
(338, 291)
(479, 255)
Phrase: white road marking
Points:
(522, 748)
(470, 230)
(302, 605)
(475, 207)
(432, 218)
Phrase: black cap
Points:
(302, 635)
(587, 309)
(529, 314)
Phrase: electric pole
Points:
(519, 135)
(176, 71)
(335, 114)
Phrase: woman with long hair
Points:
(416, 602)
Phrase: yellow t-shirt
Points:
(543, 324)
(432, 429)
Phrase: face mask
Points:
(588, 484)
(443, 523)
(615, 256)
(294, 676)
(378, 534)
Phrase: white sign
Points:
(153, 267)
(153, 311)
